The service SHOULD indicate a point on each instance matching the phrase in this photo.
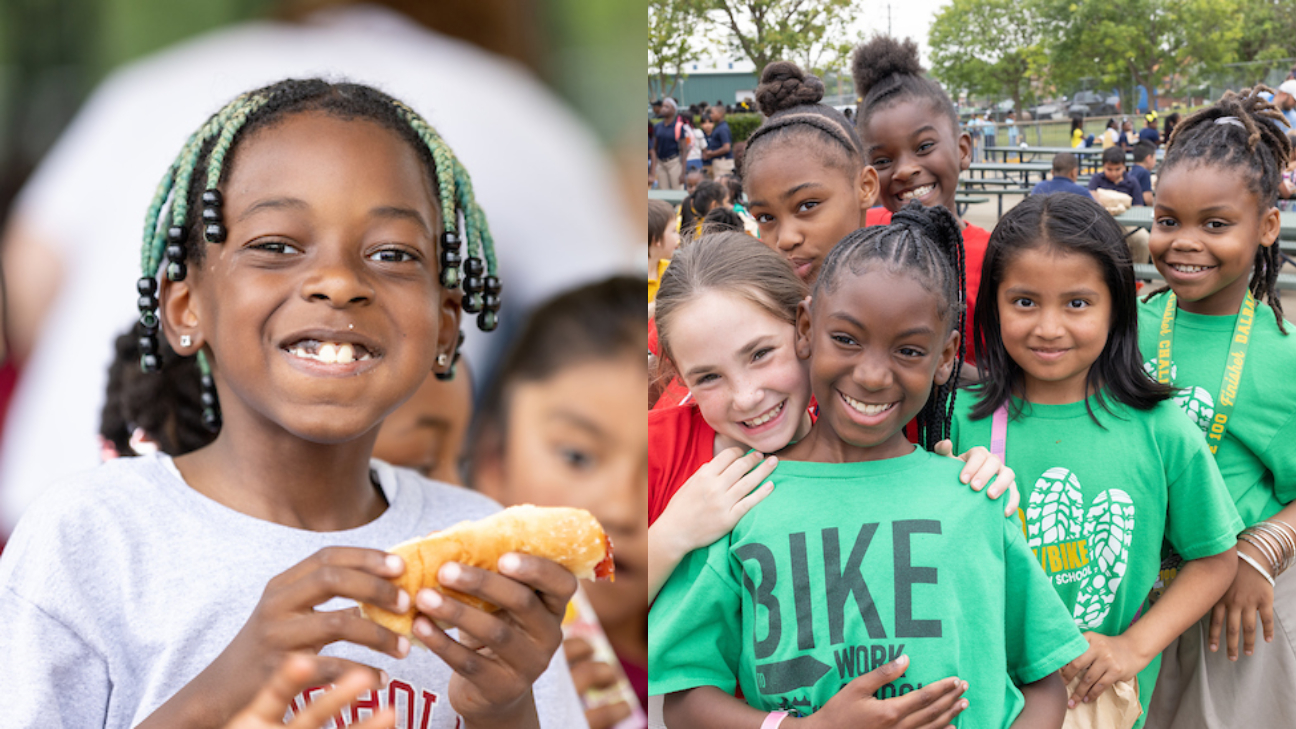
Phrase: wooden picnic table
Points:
(1080, 152)
(1088, 157)
(963, 201)
(999, 194)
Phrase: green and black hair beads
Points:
(170, 227)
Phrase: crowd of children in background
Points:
(812, 562)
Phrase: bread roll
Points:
(571, 537)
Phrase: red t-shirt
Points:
(679, 443)
(675, 393)
(975, 241)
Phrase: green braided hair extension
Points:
(216, 160)
(480, 241)
(441, 156)
(457, 199)
(177, 180)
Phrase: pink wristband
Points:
(773, 720)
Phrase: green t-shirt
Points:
(843, 568)
(1097, 501)
(1257, 456)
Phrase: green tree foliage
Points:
(810, 32)
(672, 40)
(992, 48)
(1002, 48)
(1268, 30)
(1139, 42)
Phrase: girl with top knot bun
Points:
(911, 136)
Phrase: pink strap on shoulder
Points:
(773, 719)
(999, 431)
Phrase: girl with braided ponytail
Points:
(1219, 337)
(1063, 381)
(859, 511)
(308, 248)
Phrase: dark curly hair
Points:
(927, 243)
(708, 195)
(886, 71)
(1238, 132)
(721, 220)
(166, 406)
(790, 97)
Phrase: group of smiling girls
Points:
(839, 574)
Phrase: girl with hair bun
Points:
(910, 134)
(804, 172)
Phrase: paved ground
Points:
(986, 215)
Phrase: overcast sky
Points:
(909, 19)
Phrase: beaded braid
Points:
(483, 294)
(175, 185)
(1237, 132)
(216, 138)
(928, 242)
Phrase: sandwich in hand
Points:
(571, 537)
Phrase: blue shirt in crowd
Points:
(1058, 184)
(719, 137)
(668, 145)
(1290, 115)
(1150, 135)
(1144, 177)
(1127, 185)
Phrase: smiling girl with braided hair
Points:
(1218, 336)
(310, 240)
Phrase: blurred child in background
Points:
(663, 237)
(708, 195)
(563, 425)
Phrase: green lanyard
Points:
(1232, 373)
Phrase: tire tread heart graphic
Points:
(1196, 401)
(1055, 514)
